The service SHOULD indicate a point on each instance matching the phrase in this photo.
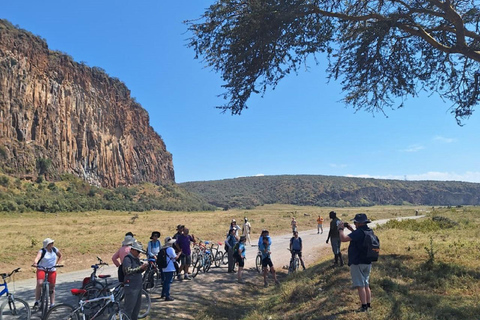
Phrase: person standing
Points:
(121, 253)
(230, 243)
(183, 241)
(319, 224)
(45, 261)
(154, 245)
(267, 261)
(334, 237)
(360, 265)
(133, 269)
(241, 258)
(296, 247)
(233, 225)
(294, 224)
(170, 269)
(246, 228)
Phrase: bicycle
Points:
(65, 311)
(218, 256)
(91, 284)
(151, 277)
(203, 262)
(258, 261)
(45, 293)
(294, 262)
(17, 308)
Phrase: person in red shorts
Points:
(47, 257)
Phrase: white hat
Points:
(138, 246)
(169, 241)
(47, 241)
(129, 240)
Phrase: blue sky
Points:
(301, 127)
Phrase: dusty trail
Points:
(192, 296)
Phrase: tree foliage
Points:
(381, 51)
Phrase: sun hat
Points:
(47, 241)
(155, 233)
(138, 246)
(128, 241)
(169, 241)
(361, 218)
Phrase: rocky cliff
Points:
(77, 118)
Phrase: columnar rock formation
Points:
(78, 117)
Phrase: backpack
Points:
(371, 245)
(44, 252)
(235, 250)
(162, 258)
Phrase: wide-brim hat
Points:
(169, 241)
(129, 240)
(361, 218)
(155, 233)
(137, 246)
(47, 241)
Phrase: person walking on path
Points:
(170, 269)
(246, 229)
(241, 258)
(230, 243)
(47, 258)
(267, 261)
(296, 247)
(334, 237)
(360, 265)
(133, 269)
(319, 224)
(294, 224)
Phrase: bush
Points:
(4, 181)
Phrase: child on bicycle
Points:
(296, 248)
(267, 261)
(47, 258)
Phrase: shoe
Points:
(35, 306)
(303, 268)
(362, 309)
(265, 284)
(179, 278)
(318, 232)
(162, 296)
(169, 299)
(187, 278)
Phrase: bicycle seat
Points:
(104, 276)
(207, 242)
(77, 292)
(207, 251)
(151, 259)
(94, 266)
(3, 275)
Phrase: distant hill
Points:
(316, 190)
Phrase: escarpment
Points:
(59, 116)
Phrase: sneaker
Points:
(362, 309)
(187, 278)
(169, 299)
(162, 296)
(51, 306)
(35, 306)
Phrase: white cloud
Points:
(444, 139)
(469, 176)
(259, 175)
(413, 148)
(337, 165)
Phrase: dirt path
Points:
(205, 289)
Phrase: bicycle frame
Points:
(110, 300)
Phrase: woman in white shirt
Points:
(45, 261)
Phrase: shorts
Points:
(360, 275)
(335, 245)
(298, 252)
(52, 276)
(267, 262)
(241, 262)
(185, 260)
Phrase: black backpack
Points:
(371, 245)
(162, 258)
(235, 250)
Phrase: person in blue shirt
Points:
(240, 256)
(264, 234)
(267, 261)
(230, 243)
(296, 247)
(360, 266)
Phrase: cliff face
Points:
(85, 122)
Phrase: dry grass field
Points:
(84, 235)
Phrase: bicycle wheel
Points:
(152, 281)
(208, 263)
(218, 259)
(94, 289)
(62, 311)
(145, 305)
(119, 315)
(44, 299)
(258, 263)
(14, 308)
(196, 267)
(296, 264)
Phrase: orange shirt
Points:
(320, 220)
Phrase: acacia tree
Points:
(382, 51)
